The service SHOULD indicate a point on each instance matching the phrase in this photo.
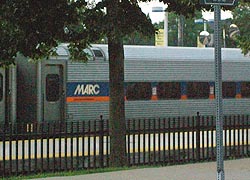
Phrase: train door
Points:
(2, 96)
(54, 93)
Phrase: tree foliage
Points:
(241, 17)
(38, 26)
(34, 27)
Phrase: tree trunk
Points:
(116, 104)
(116, 86)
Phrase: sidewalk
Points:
(234, 170)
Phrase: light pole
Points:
(166, 28)
(180, 30)
(160, 9)
(204, 36)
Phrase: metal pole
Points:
(224, 37)
(166, 28)
(218, 93)
(205, 24)
(180, 30)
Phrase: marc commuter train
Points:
(159, 82)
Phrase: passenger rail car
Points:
(159, 82)
(41, 88)
(7, 95)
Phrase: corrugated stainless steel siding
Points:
(168, 108)
(150, 109)
(149, 63)
(142, 109)
(91, 71)
(87, 111)
(184, 71)
(155, 64)
(168, 71)
(236, 71)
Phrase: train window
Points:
(245, 89)
(139, 91)
(169, 90)
(198, 90)
(228, 89)
(98, 53)
(1, 87)
(52, 87)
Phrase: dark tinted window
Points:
(228, 89)
(98, 53)
(198, 90)
(52, 87)
(139, 91)
(1, 87)
(245, 89)
(169, 90)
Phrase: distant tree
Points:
(139, 39)
(241, 17)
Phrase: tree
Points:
(36, 27)
(123, 18)
(241, 15)
(119, 15)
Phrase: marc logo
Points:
(87, 89)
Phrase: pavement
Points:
(234, 170)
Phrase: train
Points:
(159, 82)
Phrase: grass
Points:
(72, 173)
(84, 172)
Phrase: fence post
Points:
(101, 141)
(198, 136)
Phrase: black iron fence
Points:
(51, 147)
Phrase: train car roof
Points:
(157, 53)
